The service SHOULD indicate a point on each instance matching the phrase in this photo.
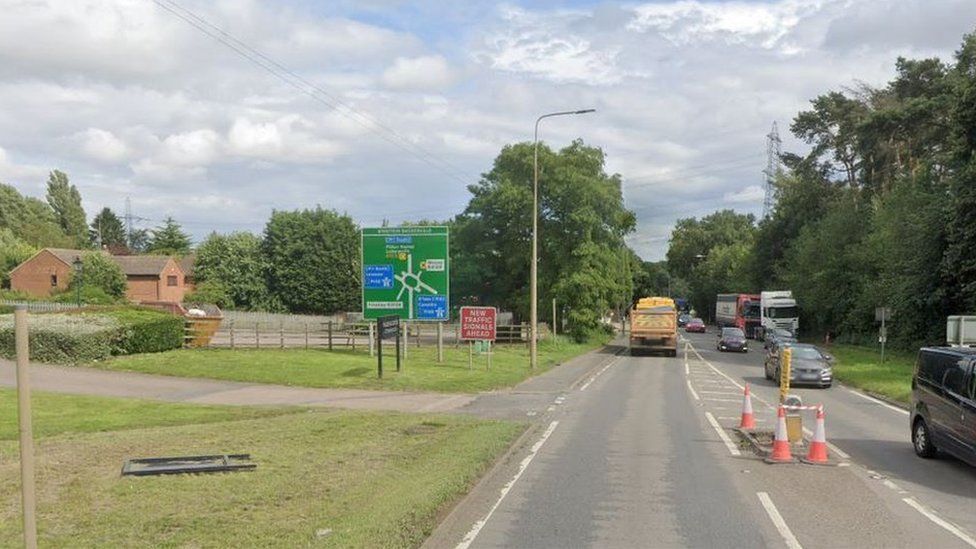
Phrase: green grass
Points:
(55, 414)
(349, 369)
(371, 479)
(861, 367)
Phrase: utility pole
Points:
(128, 223)
(773, 169)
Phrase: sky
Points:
(387, 110)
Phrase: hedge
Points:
(77, 337)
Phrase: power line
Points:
(316, 92)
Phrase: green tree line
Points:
(880, 212)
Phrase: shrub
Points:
(90, 295)
(99, 271)
(210, 292)
(146, 331)
(16, 295)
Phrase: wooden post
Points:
(404, 334)
(306, 336)
(440, 342)
(281, 334)
(379, 347)
(419, 328)
(470, 354)
(231, 334)
(457, 335)
(489, 354)
(370, 326)
(353, 332)
(257, 335)
(553, 318)
(26, 430)
(399, 336)
(330, 335)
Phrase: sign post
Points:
(406, 272)
(386, 327)
(882, 314)
(27, 495)
(478, 324)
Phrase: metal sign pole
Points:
(470, 354)
(884, 336)
(489, 354)
(26, 431)
(440, 342)
(398, 335)
(379, 348)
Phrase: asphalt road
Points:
(639, 454)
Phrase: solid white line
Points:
(713, 399)
(778, 521)
(692, 389)
(952, 528)
(881, 402)
(723, 435)
(473, 533)
(719, 393)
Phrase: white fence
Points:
(288, 322)
(41, 306)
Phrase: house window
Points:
(171, 280)
(54, 281)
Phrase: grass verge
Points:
(55, 414)
(861, 367)
(324, 478)
(349, 369)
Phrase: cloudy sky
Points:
(412, 100)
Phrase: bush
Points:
(99, 271)
(90, 295)
(86, 336)
(210, 292)
(16, 295)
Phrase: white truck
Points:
(961, 331)
(778, 310)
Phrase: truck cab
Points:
(778, 310)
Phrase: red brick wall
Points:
(142, 288)
(172, 294)
(34, 275)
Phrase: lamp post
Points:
(79, 272)
(534, 276)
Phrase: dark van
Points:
(944, 402)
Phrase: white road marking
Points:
(713, 399)
(551, 408)
(893, 486)
(778, 521)
(720, 393)
(692, 389)
(596, 375)
(687, 372)
(723, 435)
(532, 413)
(473, 533)
(881, 402)
(952, 528)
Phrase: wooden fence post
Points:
(231, 334)
(369, 326)
(330, 335)
(257, 336)
(306, 336)
(281, 334)
(353, 332)
(440, 342)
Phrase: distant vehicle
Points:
(740, 311)
(654, 326)
(778, 310)
(683, 319)
(777, 336)
(732, 339)
(944, 402)
(681, 304)
(695, 325)
(808, 365)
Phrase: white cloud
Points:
(102, 145)
(750, 195)
(425, 73)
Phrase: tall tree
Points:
(107, 229)
(13, 252)
(235, 264)
(30, 219)
(169, 239)
(65, 200)
(312, 260)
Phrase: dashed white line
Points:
(952, 528)
(596, 375)
(713, 399)
(881, 402)
(687, 371)
(723, 435)
(778, 521)
(473, 533)
(692, 389)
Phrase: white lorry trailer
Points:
(778, 310)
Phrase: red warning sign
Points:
(478, 323)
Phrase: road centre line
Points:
(713, 399)
(778, 521)
(687, 372)
(952, 528)
(723, 435)
(476, 528)
(692, 389)
(596, 375)
(876, 401)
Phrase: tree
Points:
(312, 260)
(99, 271)
(65, 200)
(210, 291)
(30, 220)
(13, 252)
(235, 264)
(138, 240)
(107, 229)
(584, 263)
(169, 239)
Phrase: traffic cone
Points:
(781, 444)
(748, 420)
(818, 444)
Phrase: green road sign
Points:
(406, 272)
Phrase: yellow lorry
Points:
(654, 326)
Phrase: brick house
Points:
(187, 263)
(154, 278)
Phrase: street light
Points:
(79, 272)
(534, 277)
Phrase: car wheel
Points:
(922, 439)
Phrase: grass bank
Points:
(861, 367)
(330, 478)
(356, 369)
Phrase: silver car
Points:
(809, 365)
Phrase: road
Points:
(639, 454)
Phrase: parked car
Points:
(732, 339)
(808, 365)
(683, 319)
(944, 402)
(695, 325)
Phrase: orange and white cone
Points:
(781, 443)
(748, 419)
(818, 444)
